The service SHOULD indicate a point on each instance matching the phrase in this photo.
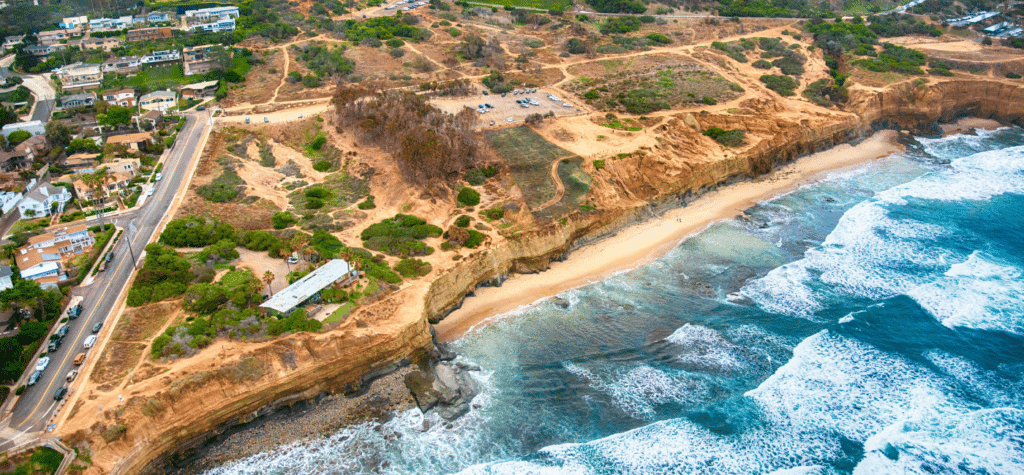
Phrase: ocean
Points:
(872, 322)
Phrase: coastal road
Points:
(35, 408)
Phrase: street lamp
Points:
(132, 231)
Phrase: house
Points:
(119, 178)
(158, 57)
(215, 12)
(40, 50)
(158, 101)
(41, 265)
(154, 118)
(334, 272)
(70, 23)
(22, 155)
(78, 100)
(68, 240)
(5, 278)
(138, 141)
(81, 162)
(155, 17)
(80, 75)
(40, 200)
(106, 44)
(200, 59)
(127, 65)
(199, 90)
(52, 37)
(997, 28)
(139, 20)
(12, 41)
(120, 97)
(146, 34)
(35, 127)
(101, 24)
(8, 200)
(216, 25)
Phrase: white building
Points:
(165, 56)
(38, 202)
(5, 278)
(158, 101)
(308, 288)
(215, 12)
(35, 127)
(72, 22)
(8, 200)
(222, 24)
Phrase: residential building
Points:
(199, 90)
(155, 17)
(215, 12)
(40, 200)
(52, 37)
(158, 57)
(70, 23)
(41, 265)
(138, 141)
(40, 50)
(106, 44)
(35, 127)
(22, 155)
(335, 272)
(154, 118)
(81, 162)
(146, 34)
(5, 278)
(158, 101)
(8, 200)
(69, 240)
(120, 97)
(119, 175)
(80, 75)
(127, 65)
(139, 20)
(12, 41)
(101, 24)
(215, 25)
(78, 100)
(201, 59)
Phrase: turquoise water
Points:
(869, 323)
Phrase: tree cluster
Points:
(428, 144)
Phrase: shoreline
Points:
(620, 252)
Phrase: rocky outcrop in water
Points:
(443, 387)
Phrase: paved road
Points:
(35, 408)
(43, 111)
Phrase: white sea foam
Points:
(785, 290)
(989, 386)
(708, 351)
(636, 391)
(977, 293)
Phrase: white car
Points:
(159, 176)
(509, 119)
(150, 191)
(42, 363)
(89, 341)
(566, 104)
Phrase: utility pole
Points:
(132, 231)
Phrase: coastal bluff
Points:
(197, 403)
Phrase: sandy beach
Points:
(644, 242)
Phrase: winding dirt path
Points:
(559, 186)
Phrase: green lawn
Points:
(529, 159)
(236, 277)
(162, 77)
(340, 313)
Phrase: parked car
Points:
(201, 108)
(79, 359)
(42, 363)
(486, 93)
(74, 313)
(34, 378)
(54, 344)
(109, 256)
(246, 120)
(96, 327)
(72, 375)
(159, 176)
(63, 331)
(60, 393)
(293, 260)
(266, 119)
(89, 341)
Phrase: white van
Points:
(89, 341)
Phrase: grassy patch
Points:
(577, 185)
(529, 158)
(562, 5)
(339, 314)
(651, 89)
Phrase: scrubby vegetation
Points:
(729, 138)
(164, 274)
(222, 189)
(400, 236)
(468, 197)
(784, 85)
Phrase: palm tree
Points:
(268, 277)
(97, 182)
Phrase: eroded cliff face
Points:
(201, 401)
(184, 407)
(916, 105)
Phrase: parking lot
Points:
(505, 110)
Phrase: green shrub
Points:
(658, 38)
(784, 85)
(476, 176)
(709, 100)
(1012, 75)
(20, 390)
(400, 236)
(317, 192)
(494, 213)
(322, 166)
(475, 239)
(367, 204)
(283, 219)
(729, 138)
(591, 94)
(468, 197)
(410, 268)
(222, 189)
(598, 164)
(762, 64)
(462, 221)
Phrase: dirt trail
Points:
(559, 187)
